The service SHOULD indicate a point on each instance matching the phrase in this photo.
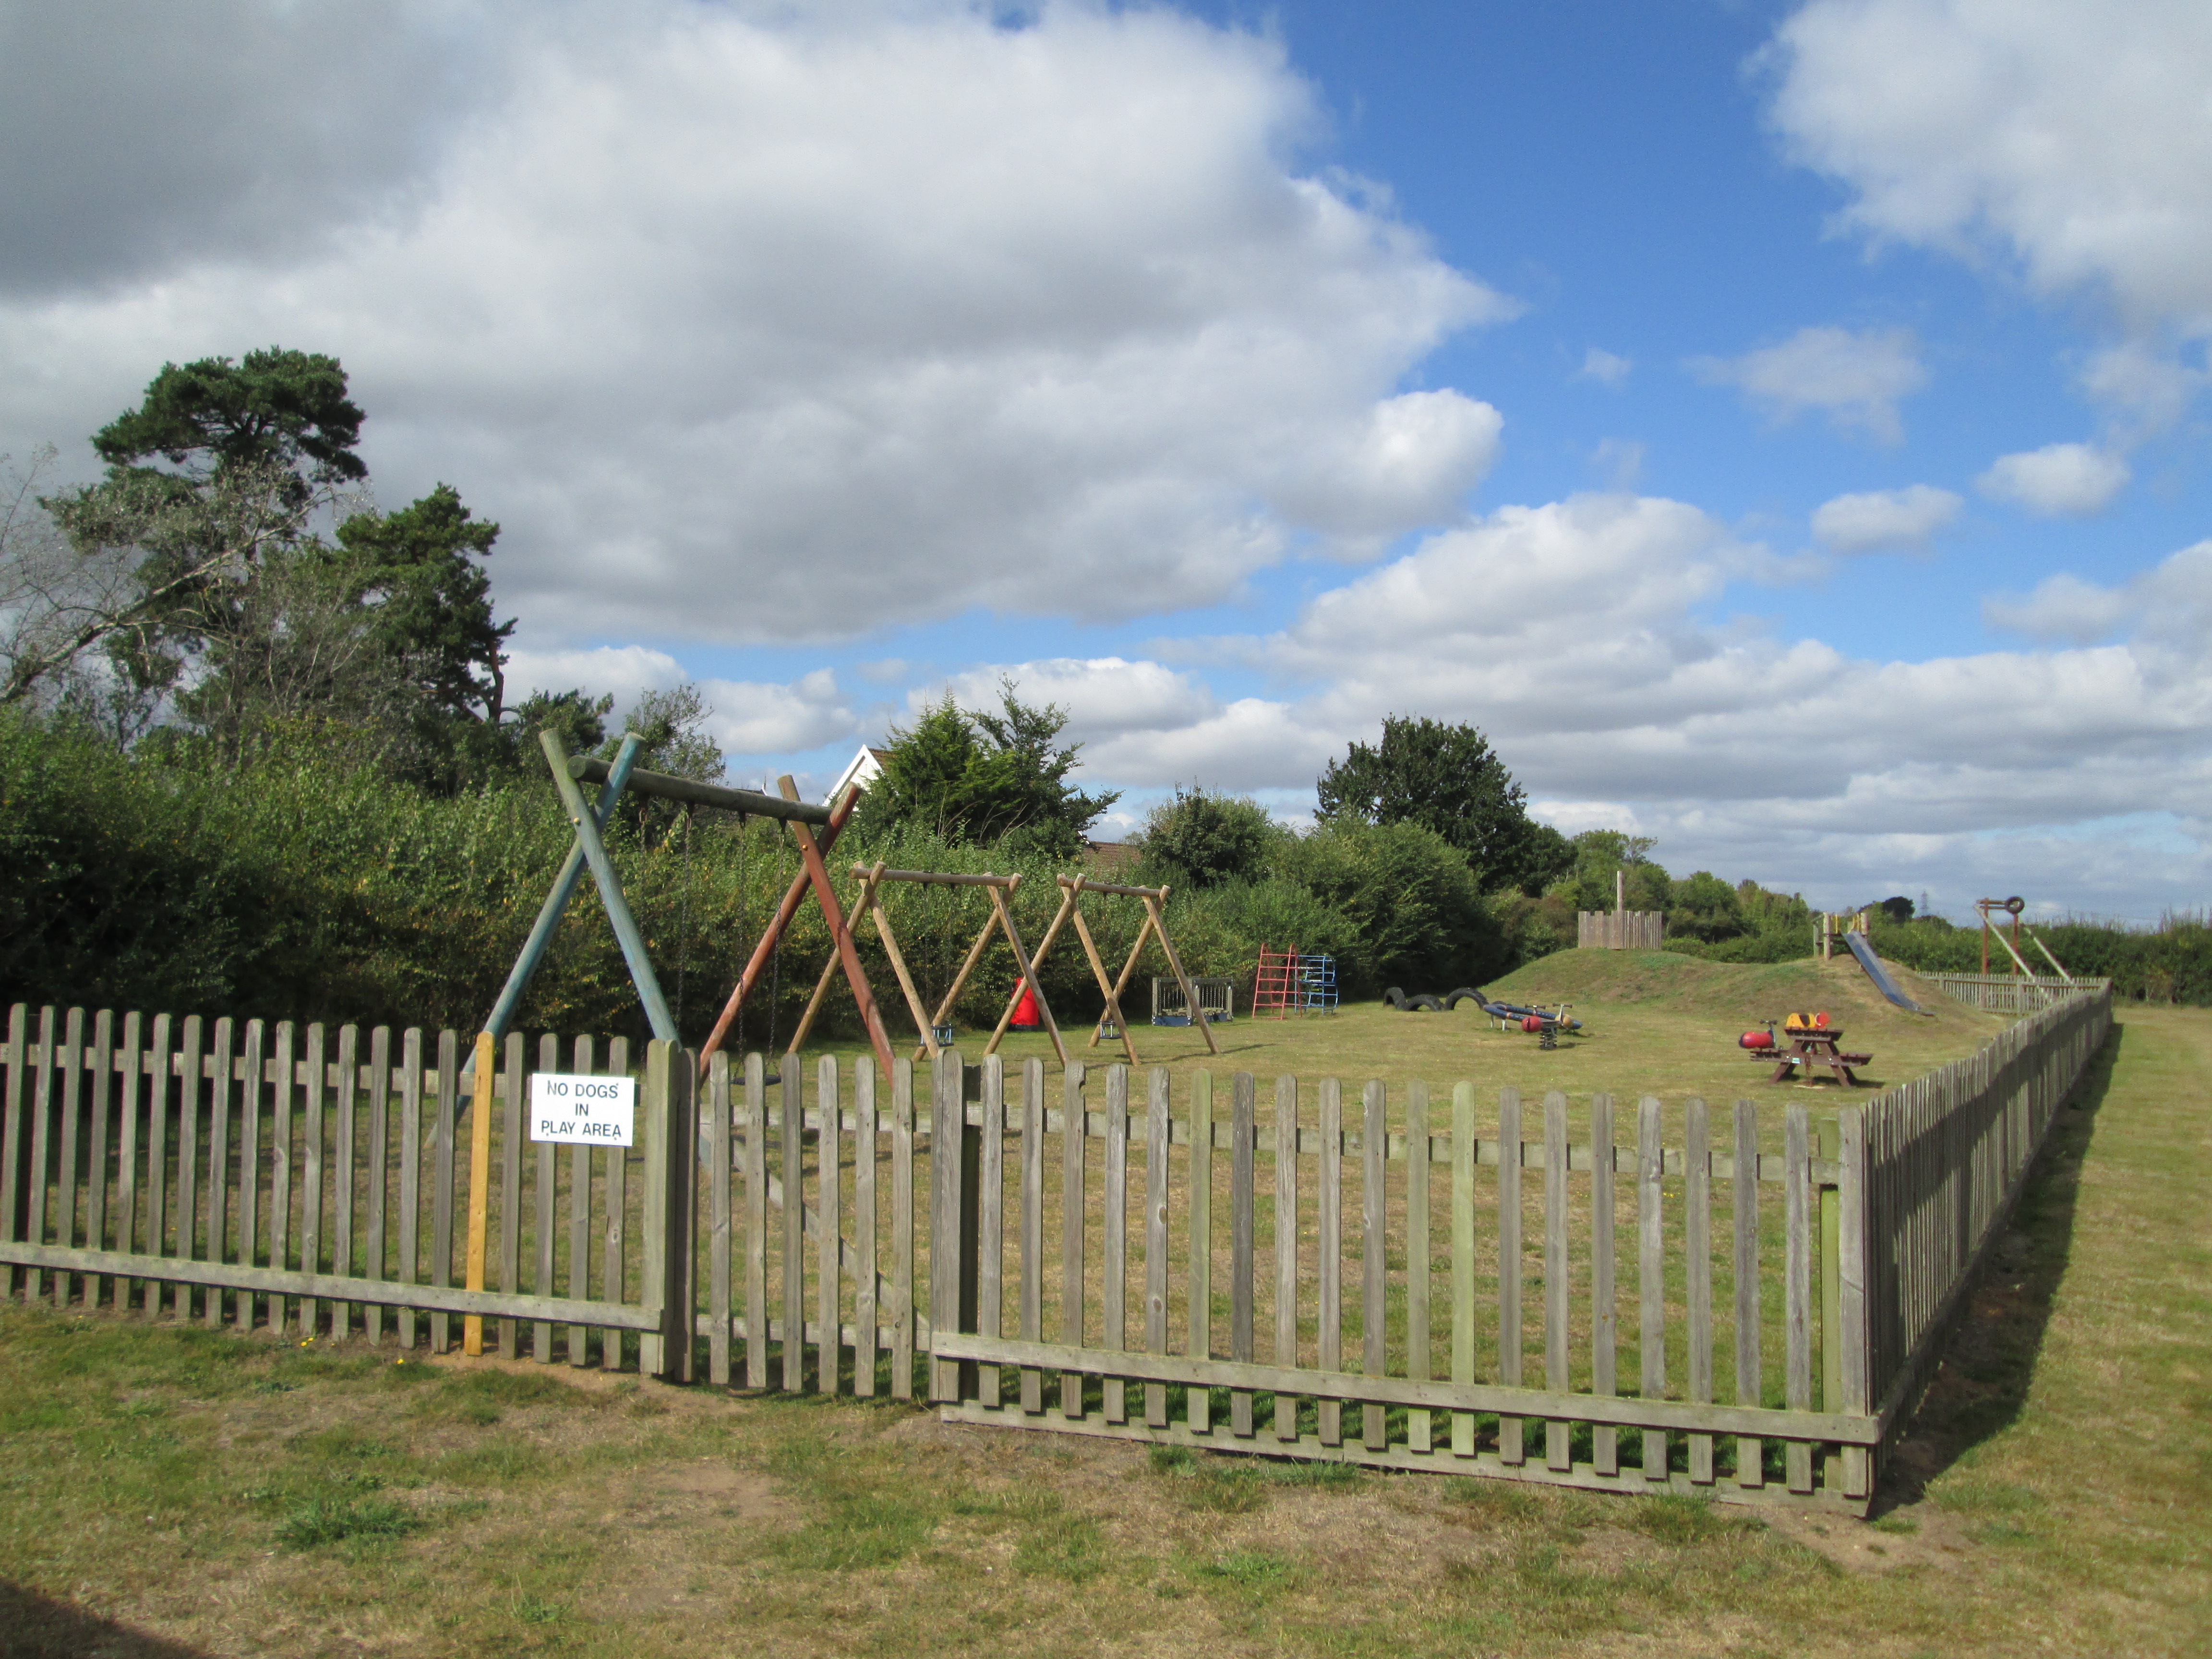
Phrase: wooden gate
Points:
(306, 1181)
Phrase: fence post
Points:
(14, 1167)
(955, 1234)
(1854, 1236)
(1832, 1286)
(670, 1210)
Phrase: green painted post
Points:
(610, 893)
(564, 889)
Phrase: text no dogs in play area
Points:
(587, 1111)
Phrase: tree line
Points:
(258, 753)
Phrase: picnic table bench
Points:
(1810, 1049)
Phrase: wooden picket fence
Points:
(1618, 930)
(1436, 1284)
(2014, 993)
(260, 1176)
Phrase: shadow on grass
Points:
(36, 1626)
(1981, 1382)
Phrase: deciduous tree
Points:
(1449, 780)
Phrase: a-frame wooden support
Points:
(764, 951)
(1072, 888)
(843, 953)
(1000, 922)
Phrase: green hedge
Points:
(307, 884)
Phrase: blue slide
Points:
(1879, 975)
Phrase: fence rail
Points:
(1633, 1296)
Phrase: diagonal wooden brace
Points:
(757, 963)
(826, 896)
(1028, 971)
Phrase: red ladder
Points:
(1275, 985)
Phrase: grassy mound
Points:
(1738, 993)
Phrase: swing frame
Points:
(589, 850)
(1072, 888)
(869, 902)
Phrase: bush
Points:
(1409, 893)
(1704, 907)
(1198, 840)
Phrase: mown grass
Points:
(170, 1490)
(1655, 1023)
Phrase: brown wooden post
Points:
(956, 1184)
(871, 1018)
(1854, 1301)
(671, 1136)
(1832, 1325)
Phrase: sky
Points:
(1781, 427)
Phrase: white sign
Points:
(587, 1111)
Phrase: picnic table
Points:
(1811, 1047)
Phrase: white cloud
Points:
(788, 330)
(750, 718)
(624, 671)
(1604, 366)
(746, 717)
(2061, 607)
(2073, 480)
(1855, 379)
(2075, 139)
(1104, 698)
(2143, 391)
(1885, 518)
(2171, 603)
(1254, 743)
(1576, 635)
(1421, 453)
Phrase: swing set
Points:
(589, 821)
(804, 820)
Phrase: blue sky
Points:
(1779, 426)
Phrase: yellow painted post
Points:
(479, 1185)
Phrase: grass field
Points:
(1653, 1023)
(170, 1491)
